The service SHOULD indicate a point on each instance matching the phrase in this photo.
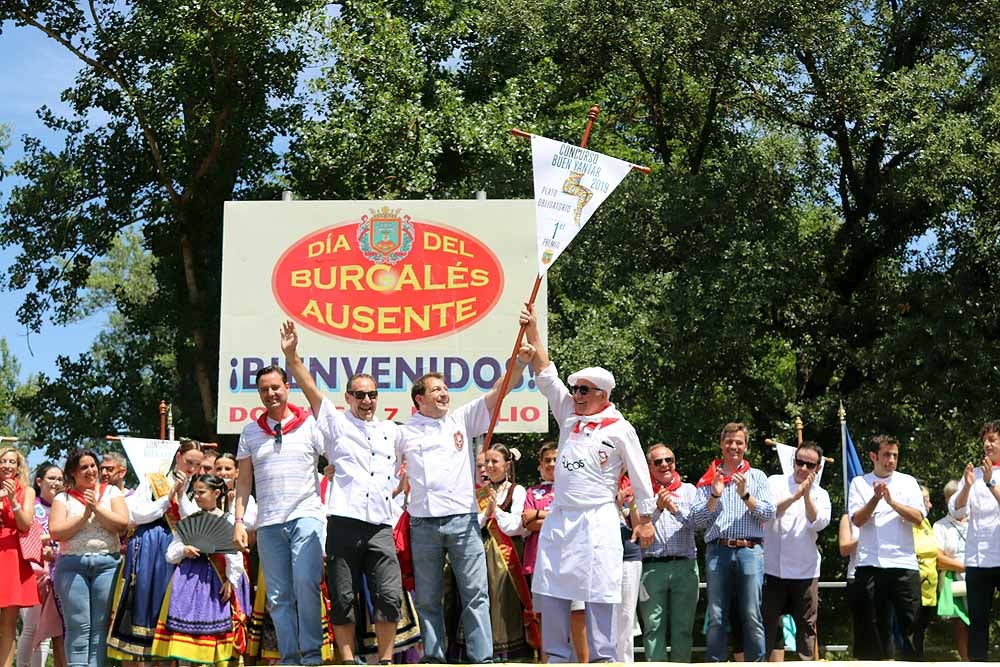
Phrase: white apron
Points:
(580, 548)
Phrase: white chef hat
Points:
(600, 377)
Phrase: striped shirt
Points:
(285, 474)
(674, 532)
(731, 519)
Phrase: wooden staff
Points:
(163, 419)
(591, 117)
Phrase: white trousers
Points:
(625, 612)
(26, 656)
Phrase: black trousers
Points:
(889, 591)
(980, 582)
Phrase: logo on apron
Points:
(459, 440)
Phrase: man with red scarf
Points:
(580, 544)
(733, 503)
(670, 565)
(282, 449)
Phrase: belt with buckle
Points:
(663, 559)
(739, 544)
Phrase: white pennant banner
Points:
(570, 184)
(149, 456)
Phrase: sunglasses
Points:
(582, 389)
(809, 465)
(665, 459)
(360, 395)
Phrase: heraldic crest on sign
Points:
(385, 237)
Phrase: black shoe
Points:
(385, 662)
(429, 660)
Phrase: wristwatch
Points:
(745, 495)
(990, 484)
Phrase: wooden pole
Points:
(512, 362)
(163, 420)
(798, 428)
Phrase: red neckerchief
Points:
(324, 484)
(675, 483)
(580, 426)
(298, 418)
(709, 475)
(79, 496)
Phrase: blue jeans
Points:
(291, 555)
(458, 536)
(84, 585)
(734, 575)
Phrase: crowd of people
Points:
(412, 546)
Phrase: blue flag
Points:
(852, 464)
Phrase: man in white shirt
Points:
(978, 498)
(282, 449)
(791, 559)
(361, 448)
(436, 445)
(886, 505)
(580, 544)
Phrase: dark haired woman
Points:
(205, 605)
(43, 622)
(86, 521)
(145, 573)
(501, 503)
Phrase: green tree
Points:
(174, 111)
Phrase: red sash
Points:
(508, 553)
(299, 416)
(709, 475)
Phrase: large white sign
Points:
(394, 289)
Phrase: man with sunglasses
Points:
(580, 544)
(791, 559)
(669, 566)
(361, 448)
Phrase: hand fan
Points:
(210, 533)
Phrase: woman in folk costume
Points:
(87, 520)
(145, 573)
(43, 622)
(17, 512)
(579, 546)
(203, 615)
(501, 503)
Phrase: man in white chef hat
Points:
(580, 546)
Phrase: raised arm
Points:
(530, 324)
(294, 365)
(524, 357)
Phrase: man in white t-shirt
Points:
(282, 449)
(361, 448)
(436, 445)
(886, 505)
(791, 559)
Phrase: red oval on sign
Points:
(387, 278)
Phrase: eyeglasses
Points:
(809, 465)
(582, 389)
(661, 461)
(360, 395)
